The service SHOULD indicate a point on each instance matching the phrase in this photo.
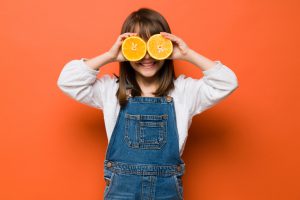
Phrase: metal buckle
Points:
(169, 98)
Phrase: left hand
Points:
(180, 48)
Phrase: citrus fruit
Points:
(159, 47)
(134, 48)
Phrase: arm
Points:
(78, 80)
(218, 82)
(198, 60)
(200, 94)
(98, 61)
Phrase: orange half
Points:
(134, 48)
(159, 47)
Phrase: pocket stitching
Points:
(129, 142)
(162, 131)
(139, 130)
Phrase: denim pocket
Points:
(108, 178)
(179, 185)
(145, 131)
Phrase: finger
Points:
(163, 32)
(128, 34)
(171, 37)
(166, 34)
(125, 35)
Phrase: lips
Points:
(148, 63)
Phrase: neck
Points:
(147, 85)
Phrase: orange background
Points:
(244, 148)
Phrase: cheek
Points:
(134, 65)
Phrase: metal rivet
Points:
(109, 164)
(178, 168)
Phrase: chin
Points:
(148, 75)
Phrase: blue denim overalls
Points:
(142, 158)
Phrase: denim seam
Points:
(108, 188)
(177, 187)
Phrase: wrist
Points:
(109, 57)
(188, 55)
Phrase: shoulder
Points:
(180, 86)
(182, 81)
(108, 83)
(182, 78)
(108, 78)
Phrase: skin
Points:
(146, 77)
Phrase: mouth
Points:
(147, 64)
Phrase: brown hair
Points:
(149, 22)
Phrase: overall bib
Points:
(142, 158)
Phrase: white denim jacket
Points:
(191, 96)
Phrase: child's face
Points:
(147, 67)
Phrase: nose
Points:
(147, 56)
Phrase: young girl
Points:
(147, 110)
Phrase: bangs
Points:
(146, 28)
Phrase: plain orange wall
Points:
(244, 148)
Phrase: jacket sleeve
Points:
(80, 82)
(216, 84)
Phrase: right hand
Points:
(116, 52)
